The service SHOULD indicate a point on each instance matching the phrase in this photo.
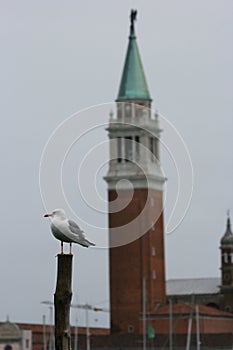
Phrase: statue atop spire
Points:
(133, 17)
(228, 220)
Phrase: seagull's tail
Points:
(86, 243)
(91, 244)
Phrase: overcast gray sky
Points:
(60, 57)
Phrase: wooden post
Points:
(62, 301)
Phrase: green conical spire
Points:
(133, 84)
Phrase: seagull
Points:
(66, 230)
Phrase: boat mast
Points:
(144, 311)
(197, 327)
(170, 325)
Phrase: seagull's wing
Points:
(74, 228)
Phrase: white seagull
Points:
(66, 230)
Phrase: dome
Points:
(9, 331)
(227, 239)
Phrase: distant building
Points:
(227, 267)
(14, 338)
(214, 328)
(214, 292)
(41, 336)
(204, 291)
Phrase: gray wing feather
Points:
(74, 228)
(73, 224)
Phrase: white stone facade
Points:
(13, 338)
(134, 148)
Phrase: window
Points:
(130, 329)
(225, 258)
(128, 149)
(153, 251)
(8, 347)
(214, 305)
(153, 148)
(137, 147)
(119, 150)
(128, 110)
(153, 274)
(228, 308)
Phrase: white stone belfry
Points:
(134, 148)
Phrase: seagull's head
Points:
(58, 213)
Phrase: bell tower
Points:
(227, 266)
(135, 195)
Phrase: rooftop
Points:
(188, 308)
(193, 286)
(9, 331)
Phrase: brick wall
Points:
(131, 262)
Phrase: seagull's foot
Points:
(62, 252)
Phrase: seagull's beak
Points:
(47, 215)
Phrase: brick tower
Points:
(135, 195)
(227, 267)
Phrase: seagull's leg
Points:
(62, 247)
(70, 248)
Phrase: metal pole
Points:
(189, 333)
(198, 327)
(44, 336)
(170, 325)
(76, 335)
(144, 311)
(51, 330)
(87, 329)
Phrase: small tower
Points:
(135, 195)
(227, 266)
